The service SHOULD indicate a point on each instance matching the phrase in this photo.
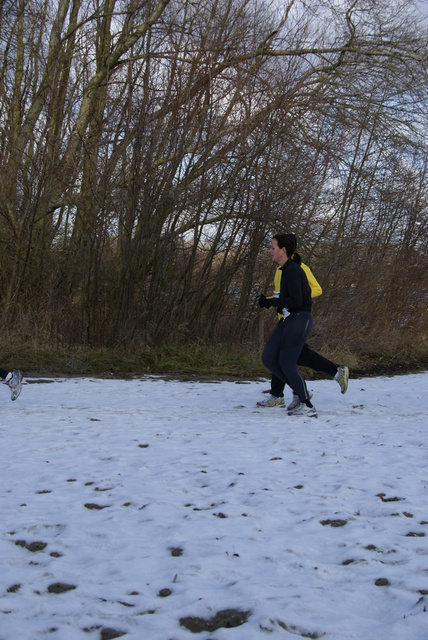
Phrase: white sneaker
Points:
(304, 410)
(273, 401)
(342, 377)
(14, 382)
(295, 401)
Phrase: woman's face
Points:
(279, 254)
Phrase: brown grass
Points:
(216, 361)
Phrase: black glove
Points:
(264, 303)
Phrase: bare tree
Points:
(149, 149)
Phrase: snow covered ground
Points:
(164, 510)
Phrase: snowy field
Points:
(162, 510)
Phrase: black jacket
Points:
(295, 293)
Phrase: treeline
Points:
(149, 150)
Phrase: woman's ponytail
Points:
(296, 258)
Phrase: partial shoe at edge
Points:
(14, 382)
